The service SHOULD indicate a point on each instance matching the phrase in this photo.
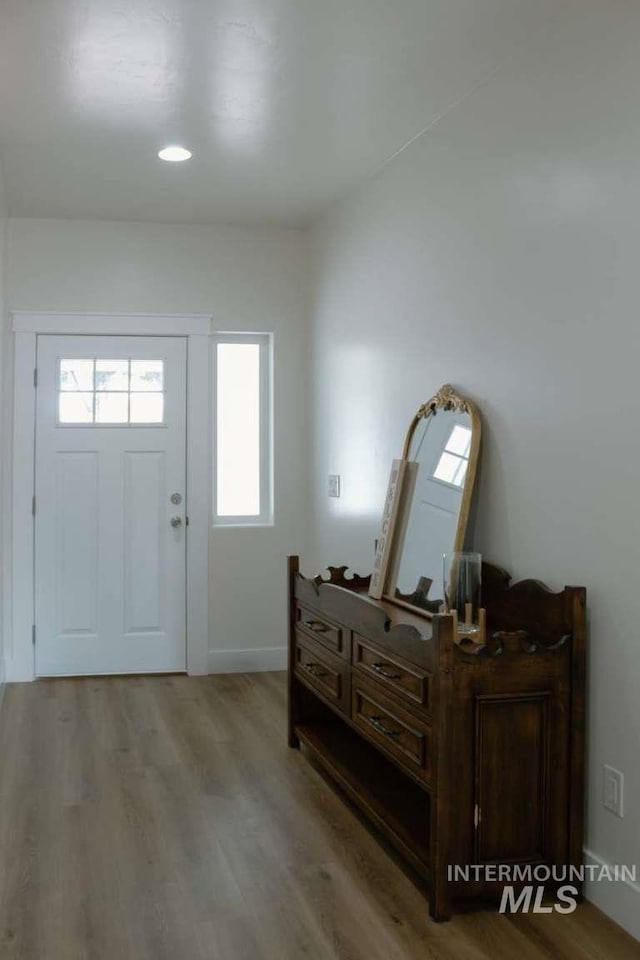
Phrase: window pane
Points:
(461, 473)
(112, 374)
(448, 468)
(147, 374)
(76, 374)
(459, 441)
(112, 407)
(75, 407)
(147, 408)
(238, 430)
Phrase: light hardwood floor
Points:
(166, 818)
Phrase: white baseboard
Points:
(248, 661)
(620, 899)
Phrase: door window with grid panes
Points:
(101, 391)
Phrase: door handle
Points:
(176, 522)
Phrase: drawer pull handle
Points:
(314, 669)
(377, 723)
(316, 625)
(379, 668)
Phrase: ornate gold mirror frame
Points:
(398, 502)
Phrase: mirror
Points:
(428, 501)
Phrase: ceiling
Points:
(285, 104)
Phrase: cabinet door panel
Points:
(513, 777)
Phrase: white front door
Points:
(110, 483)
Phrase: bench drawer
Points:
(409, 683)
(401, 734)
(329, 634)
(321, 671)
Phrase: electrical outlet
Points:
(612, 790)
(334, 484)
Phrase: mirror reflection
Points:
(439, 451)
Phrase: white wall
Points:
(248, 279)
(3, 427)
(500, 252)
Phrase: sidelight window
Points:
(242, 425)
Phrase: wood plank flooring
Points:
(166, 818)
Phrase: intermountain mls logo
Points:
(524, 885)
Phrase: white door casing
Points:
(109, 566)
(19, 613)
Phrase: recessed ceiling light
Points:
(174, 154)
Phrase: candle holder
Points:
(462, 577)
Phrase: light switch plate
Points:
(613, 790)
(334, 485)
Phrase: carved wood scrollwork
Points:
(338, 578)
(445, 399)
(494, 647)
(511, 641)
(531, 646)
